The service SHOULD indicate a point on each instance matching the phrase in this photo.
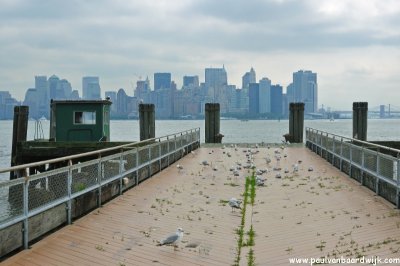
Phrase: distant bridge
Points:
(380, 111)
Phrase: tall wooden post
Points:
(296, 122)
(147, 121)
(360, 120)
(212, 120)
(20, 130)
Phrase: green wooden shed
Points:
(80, 120)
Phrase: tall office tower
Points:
(53, 84)
(42, 90)
(162, 81)
(32, 100)
(248, 77)
(91, 88)
(215, 80)
(215, 77)
(254, 94)
(285, 105)
(265, 95)
(306, 89)
(64, 89)
(122, 103)
(142, 91)
(290, 93)
(190, 81)
(276, 99)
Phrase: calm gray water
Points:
(235, 131)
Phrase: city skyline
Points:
(354, 46)
(252, 100)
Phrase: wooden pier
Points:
(304, 214)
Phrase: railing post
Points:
(168, 151)
(351, 159)
(137, 166)
(333, 150)
(320, 144)
(174, 147)
(362, 165)
(159, 153)
(341, 155)
(398, 183)
(377, 174)
(182, 145)
(149, 159)
(69, 188)
(120, 170)
(25, 234)
(191, 140)
(99, 179)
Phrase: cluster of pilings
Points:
(212, 125)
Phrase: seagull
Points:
(260, 181)
(235, 203)
(295, 168)
(310, 169)
(180, 167)
(172, 239)
(204, 162)
(286, 170)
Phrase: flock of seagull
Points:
(174, 238)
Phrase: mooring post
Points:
(296, 122)
(212, 120)
(147, 121)
(360, 120)
(20, 130)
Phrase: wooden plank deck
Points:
(301, 215)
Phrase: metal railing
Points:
(373, 165)
(30, 195)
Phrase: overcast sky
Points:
(353, 45)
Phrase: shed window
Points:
(85, 118)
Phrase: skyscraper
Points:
(265, 95)
(162, 81)
(53, 84)
(190, 81)
(64, 89)
(91, 88)
(42, 90)
(276, 100)
(215, 77)
(305, 89)
(248, 77)
(254, 94)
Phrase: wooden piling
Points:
(20, 130)
(212, 126)
(147, 121)
(360, 120)
(296, 122)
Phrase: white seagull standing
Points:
(180, 167)
(172, 239)
(235, 203)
